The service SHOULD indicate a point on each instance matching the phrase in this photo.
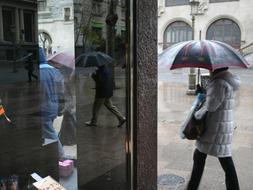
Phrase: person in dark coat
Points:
(30, 69)
(104, 92)
(52, 86)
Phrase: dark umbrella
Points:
(207, 54)
(93, 59)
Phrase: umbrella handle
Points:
(198, 80)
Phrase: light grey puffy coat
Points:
(220, 98)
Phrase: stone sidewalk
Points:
(175, 154)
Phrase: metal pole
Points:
(192, 76)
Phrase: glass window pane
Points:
(67, 14)
(28, 26)
(225, 30)
(8, 23)
(180, 31)
(168, 36)
(101, 94)
(217, 1)
(176, 2)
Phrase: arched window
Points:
(225, 30)
(45, 41)
(177, 32)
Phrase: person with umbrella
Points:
(66, 62)
(218, 108)
(30, 69)
(52, 86)
(217, 139)
(104, 92)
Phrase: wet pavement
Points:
(175, 154)
(101, 159)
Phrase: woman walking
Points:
(216, 141)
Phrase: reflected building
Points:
(22, 149)
(18, 29)
(90, 23)
(229, 21)
(56, 25)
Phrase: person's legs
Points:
(48, 132)
(29, 76)
(199, 160)
(230, 173)
(112, 108)
(98, 102)
(34, 76)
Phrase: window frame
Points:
(233, 26)
(175, 3)
(44, 7)
(65, 15)
(32, 16)
(9, 36)
(221, 1)
(185, 28)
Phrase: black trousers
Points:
(227, 165)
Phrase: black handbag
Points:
(195, 128)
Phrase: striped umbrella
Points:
(207, 54)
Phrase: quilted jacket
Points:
(220, 101)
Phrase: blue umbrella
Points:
(207, 54)
(93, 59)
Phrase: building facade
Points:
(56, 25)
(17, 28)
(230, 21)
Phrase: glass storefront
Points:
(65, 85)
(100, 49)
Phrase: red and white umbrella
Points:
(207, 54)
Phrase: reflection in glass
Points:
(52, 87)
(56, 39)
(22, 151)
(100, 92)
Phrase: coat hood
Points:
(232, 79)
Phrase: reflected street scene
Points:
(57, 79)
(23, 150)
(63, 110)
(101, 93)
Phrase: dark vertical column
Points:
(145, 94)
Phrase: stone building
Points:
(230, 21)
(18, 19)
(56, 25)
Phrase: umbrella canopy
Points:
(207, 54)
(24, 56)
(63, 59)
(249, 58)
(93, 59)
